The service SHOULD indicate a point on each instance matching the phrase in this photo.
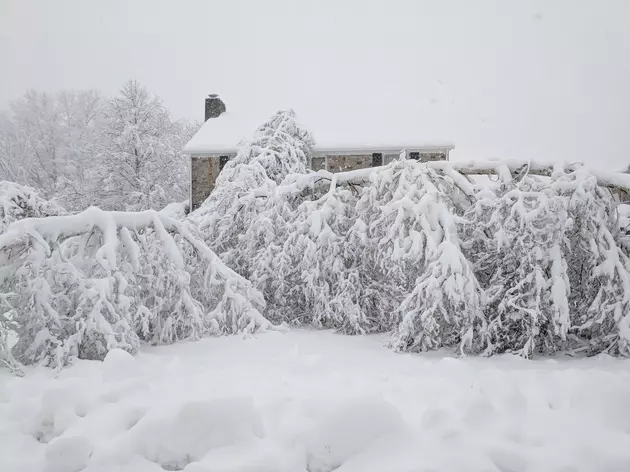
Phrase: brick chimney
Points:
(214, 106)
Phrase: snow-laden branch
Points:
(526, 265)
(97, 280)
(18, 202)
(55, 228)
(530, 262)
(247, 184)
(456, 170)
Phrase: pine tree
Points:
(598, 268)
(248, 184)
(313, 283)
(517, 243)
(419, 250)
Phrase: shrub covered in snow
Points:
(16, 203)
(516, 242)
(414, 251)
(598, 269)
(306, 275)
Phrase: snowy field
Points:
(316, 401)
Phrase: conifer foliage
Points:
(528, 265)
(247, 184)
(419, 251)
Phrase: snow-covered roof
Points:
(334, 130)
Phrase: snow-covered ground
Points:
(316, 401)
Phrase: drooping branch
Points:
(457, 170)
(144, 276)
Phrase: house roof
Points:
(360, 130)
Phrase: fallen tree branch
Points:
(457, 170)
(148, 277)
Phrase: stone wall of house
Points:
(206, 169)
(428, 156)
(201, 180)
(387, 158)
(341, 163)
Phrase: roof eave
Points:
(208, 152)
(380, 149)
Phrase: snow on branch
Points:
(531, 263)
(419, 250)
(352, 255)
(80, 285)
(456, 170)
(524, 264)
(549, 258)
(247, 186)
(18, 202)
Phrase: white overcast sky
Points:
(545, 79)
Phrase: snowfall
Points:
(316, 401)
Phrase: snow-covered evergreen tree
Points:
(418, 254)
(281, 146)
(445, 307)
(352, 255)
(548, 254)
(308, 278)
(247, 185)
(16, 203)
(598, 269)
(517, 243)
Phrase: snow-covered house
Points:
(342, 142)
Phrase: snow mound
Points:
(195, 429)
(56, 414)
(69, 454)
(348, 428)
(119, 365)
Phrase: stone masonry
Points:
(204, 170)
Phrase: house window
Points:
(222, 161)
(414, 155)
(377, 159)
